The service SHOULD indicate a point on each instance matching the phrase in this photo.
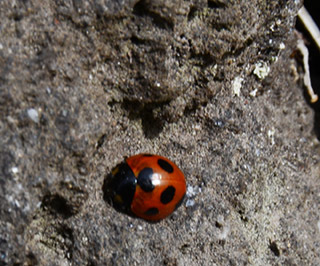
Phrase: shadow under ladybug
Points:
(147, 186)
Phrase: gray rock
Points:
(206, 83)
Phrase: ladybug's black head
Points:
(119, 187)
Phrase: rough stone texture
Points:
(85, 83)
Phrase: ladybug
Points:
(147, 186)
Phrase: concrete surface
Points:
(212, 85)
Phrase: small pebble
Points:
(33, 115)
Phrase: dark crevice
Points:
(203, 60)
(195, 104)
(237, 51)
(137, 41)
(141, 9)
(214, 4)
(101, 141)
(218, 225)
(274, 248)
(152, 125)
(67, 245)
(56, 204)
(192, 13)
(242, 216)
(31, 259)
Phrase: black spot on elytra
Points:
(152, 211)
(165, 166)
(145, 179)
(167, 195)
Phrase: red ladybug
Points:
(148, 186)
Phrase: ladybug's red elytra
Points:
(148, 186)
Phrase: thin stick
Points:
(310, 25)
(307, 80)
